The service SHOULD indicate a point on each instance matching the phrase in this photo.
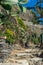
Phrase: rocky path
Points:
(4, 50)
(20, 56)
(25, 57)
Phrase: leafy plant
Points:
(10, 36)
(20, 23)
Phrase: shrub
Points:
(10, 36)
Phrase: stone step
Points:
(23, 54)
(17, 62)
(1, 60)
(2, 42)
(28, 61)
(5, 51)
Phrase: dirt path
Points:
(19, 55)
(25, 57)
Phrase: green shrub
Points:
(10, 36)
(21, 23)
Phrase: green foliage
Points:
(34, 38)
(24, 36)
(21, 8)
(5, 11)
(0, 33)
(9, 36)
(1, 22)
(6, 6)
(20, 23)
(1, 14)
(19, 27)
